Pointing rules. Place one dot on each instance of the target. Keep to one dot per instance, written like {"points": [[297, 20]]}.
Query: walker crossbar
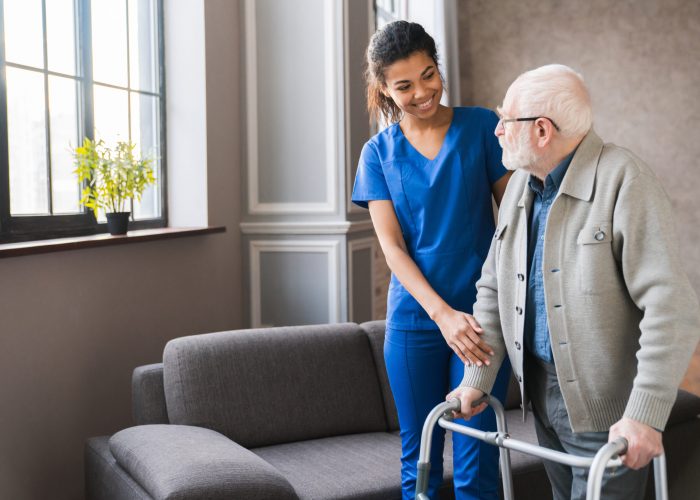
{"points": [[606, 458]]}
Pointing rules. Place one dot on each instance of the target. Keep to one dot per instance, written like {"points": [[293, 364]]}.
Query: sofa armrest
{"points": [[686, 407], [184, 462], [148, 395]]}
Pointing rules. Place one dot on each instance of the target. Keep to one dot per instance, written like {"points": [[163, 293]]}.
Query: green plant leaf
{"points": [[111, 176]]}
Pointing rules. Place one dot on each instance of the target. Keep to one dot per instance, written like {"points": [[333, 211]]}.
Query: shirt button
{"points": [[517, 345], [542, 237], [518, 309], [521, 277]]}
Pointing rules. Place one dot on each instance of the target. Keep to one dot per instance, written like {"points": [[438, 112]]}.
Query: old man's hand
{"points": [[467, 396], [644, 442]]}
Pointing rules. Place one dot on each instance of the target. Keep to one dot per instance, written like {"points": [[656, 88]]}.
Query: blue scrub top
{"points": [[443, 206]]}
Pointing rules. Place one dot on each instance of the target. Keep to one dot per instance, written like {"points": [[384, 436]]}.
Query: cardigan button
{"points": [[521, 277], [599, 236], [518, 309], [517, 345]]}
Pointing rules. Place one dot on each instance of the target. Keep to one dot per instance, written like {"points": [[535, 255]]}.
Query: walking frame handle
{"points": [[606, 458]]}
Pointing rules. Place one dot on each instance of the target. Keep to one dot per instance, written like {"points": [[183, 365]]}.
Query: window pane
{"points": [[63, 116], [26, 131], [111, 114], [145, 134], [109, 41], [24, 40], [143, 47], [111, 119], [60, 35]]}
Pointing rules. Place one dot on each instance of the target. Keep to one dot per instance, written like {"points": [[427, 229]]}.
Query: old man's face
{"points": [[514, 138]]}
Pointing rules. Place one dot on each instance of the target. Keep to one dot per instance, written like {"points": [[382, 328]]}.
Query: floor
{"points": [[691, 382]]}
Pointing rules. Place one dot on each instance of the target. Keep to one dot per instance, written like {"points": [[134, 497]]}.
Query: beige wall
{"points": [[640, 60], [75, 324]]}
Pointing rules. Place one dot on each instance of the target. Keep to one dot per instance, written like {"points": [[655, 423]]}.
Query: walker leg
{"points": [[660, 478], [426, 442], [504, 453]]}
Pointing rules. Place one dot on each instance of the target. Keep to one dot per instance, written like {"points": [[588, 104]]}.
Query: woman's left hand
{"points": [[463, 334]]}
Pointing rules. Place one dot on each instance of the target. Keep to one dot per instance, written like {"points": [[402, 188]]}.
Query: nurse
{"points": [[427, 180]]}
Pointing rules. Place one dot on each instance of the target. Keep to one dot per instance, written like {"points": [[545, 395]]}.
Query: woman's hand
{"points": [[462, 333]]}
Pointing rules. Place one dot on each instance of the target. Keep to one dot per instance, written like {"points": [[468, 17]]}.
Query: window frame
{"points": [[17, 228]]}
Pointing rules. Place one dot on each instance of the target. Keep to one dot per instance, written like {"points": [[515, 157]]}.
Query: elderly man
{"points": [[583, 287]]}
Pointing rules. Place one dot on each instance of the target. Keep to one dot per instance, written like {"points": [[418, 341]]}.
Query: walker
{"points": [[606, 458]]}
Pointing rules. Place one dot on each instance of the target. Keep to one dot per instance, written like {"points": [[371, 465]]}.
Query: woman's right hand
{"points": [[463, 334]]}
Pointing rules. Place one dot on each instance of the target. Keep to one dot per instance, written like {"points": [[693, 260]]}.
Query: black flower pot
{"points": [[118, 222]]}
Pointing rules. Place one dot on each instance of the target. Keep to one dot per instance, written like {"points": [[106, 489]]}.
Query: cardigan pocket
{"points": [[498, 236], [596, 267]]}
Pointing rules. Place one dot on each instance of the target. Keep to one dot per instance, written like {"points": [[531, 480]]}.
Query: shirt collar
{"points": [[554, 178]]}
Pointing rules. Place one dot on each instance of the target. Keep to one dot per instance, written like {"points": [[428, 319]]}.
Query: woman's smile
{"points": [[424, 106]]}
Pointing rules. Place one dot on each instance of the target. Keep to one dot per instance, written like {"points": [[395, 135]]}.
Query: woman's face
{"points": [[414, 84]]}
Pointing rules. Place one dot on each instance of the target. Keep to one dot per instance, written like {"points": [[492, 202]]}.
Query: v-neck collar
{"points": [[442, 146]]}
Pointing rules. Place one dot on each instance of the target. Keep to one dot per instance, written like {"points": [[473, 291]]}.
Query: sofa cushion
{"points": [[181, 462], [368, 466], [320, 380], [361, 466]]}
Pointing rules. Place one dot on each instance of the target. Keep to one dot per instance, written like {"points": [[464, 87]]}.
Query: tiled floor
{"points": [[691, 382]]}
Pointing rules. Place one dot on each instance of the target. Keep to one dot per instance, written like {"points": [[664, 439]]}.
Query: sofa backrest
{"points": [[275, 385], [375, 331]]}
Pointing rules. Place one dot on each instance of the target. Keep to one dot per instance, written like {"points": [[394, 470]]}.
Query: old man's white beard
{"points": [[522, 155]]}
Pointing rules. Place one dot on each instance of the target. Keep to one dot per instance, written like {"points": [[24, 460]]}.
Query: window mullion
{"points": [[84, 58], [128, 88], [47, 117], [86, 68], [160, 33]]}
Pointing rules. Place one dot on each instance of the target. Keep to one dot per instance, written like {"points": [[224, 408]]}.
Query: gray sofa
{"points": [[295, 412]]}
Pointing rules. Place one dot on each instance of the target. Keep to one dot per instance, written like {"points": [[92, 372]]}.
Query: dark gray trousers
{"points": [[554, 432]]}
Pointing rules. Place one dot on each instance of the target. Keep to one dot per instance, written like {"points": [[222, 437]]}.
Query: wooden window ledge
{"points": [[101, 240]]}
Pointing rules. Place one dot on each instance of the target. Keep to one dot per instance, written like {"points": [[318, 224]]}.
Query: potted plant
{"points": [[110, 178]]}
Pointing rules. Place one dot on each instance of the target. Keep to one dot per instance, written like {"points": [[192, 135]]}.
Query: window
{"points": [[388, 11], [74, 69]]}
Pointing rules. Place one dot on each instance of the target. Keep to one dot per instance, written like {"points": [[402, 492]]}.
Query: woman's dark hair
{"points": [[395, 41]]}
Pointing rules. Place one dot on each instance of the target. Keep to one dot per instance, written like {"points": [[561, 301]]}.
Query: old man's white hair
{"points": [[556, 92]]}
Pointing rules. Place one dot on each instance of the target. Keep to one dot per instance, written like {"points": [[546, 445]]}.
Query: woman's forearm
{"points": [[413, 280]]}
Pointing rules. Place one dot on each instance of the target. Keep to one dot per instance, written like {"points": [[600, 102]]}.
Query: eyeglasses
{"points": [[528, 119]]}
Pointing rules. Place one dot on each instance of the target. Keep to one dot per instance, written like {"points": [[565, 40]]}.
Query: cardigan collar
{"points": [[579, 180]]}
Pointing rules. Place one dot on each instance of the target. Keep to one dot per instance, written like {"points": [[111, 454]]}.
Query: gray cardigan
{"points": [[622, 316]]}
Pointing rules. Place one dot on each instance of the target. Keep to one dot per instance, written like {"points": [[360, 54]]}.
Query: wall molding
{"points": [[308, 228], [329, 247], [353, 246], [351, 208], [330, 205]]}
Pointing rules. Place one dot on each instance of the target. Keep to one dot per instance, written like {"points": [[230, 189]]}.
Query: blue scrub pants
{"points": [[422, 369]]}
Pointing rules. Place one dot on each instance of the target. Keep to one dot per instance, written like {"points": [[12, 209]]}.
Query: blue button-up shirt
{"points": [[537, 339]]}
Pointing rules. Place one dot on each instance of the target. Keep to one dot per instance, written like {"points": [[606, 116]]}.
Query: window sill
{"points": [[101, 240]]}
